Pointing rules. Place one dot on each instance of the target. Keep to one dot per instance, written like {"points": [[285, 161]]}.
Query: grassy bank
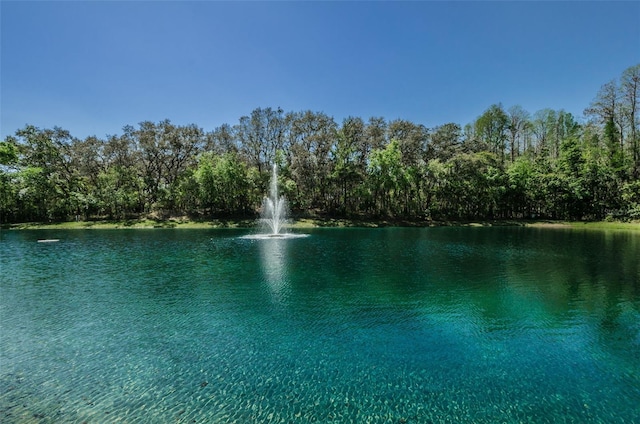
{"points": [[133, 224], [312, 223], [597, 225]]}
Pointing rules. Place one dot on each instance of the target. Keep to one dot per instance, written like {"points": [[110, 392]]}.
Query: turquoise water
{"points": [[475, 325]]}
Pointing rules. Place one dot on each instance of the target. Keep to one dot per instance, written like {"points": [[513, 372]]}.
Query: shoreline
{"points": [[304, 223]]}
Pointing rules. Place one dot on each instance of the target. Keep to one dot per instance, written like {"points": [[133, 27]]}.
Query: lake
{"points": [[395, 325]]}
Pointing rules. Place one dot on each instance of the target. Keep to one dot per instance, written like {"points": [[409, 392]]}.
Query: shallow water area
{"points": [[471, 325]]}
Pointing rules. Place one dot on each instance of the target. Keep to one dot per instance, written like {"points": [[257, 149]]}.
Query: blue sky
{"points": [[94, 66]]}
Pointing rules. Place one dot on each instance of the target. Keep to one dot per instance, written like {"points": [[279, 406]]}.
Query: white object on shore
{"points": [[48, 240]]}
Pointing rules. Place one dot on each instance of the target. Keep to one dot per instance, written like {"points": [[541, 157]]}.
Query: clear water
{"points": [[346, 325]]}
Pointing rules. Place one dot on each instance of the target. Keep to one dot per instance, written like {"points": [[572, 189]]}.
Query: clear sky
{"points": [[94, 66]]}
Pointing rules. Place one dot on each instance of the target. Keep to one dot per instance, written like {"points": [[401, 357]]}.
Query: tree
{"points": [[387, 176], [445, 142], [629, 94], [550, 128], [120, 185], [224, 186], [437, 202], [469, 185], [166, 151], [491, 128], [88, 159], [411, 140], [557, 168], [600, 182], [8, 153], [55, 189], [540, 126], [119, 192], [374, 136], [518, 122], [348, 171], [312, 139], [605, 110], [570, 172], [261, 135], [221, 140], [8, 182], [630, 194], [521, 187], [611, 136]]}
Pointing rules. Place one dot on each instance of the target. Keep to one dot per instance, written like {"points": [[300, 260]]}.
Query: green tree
{"points": [[312, 139], [517, 126], [477, 185], [119, 192], [261, 135], [605, 109], [630, 94], [387, 177], [556, 168], [600, 182], [120, 185], [611, 136], [225, 188], [222, 140], [166, 151], [348, 172], [445, 142], [53, 187], [8, 181], [571, 173], [9, 153], [412, 142], [491, 129], [521, 187], [630, 195], [437, 202]]}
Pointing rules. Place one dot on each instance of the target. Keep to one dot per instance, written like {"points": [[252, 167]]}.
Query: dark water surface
{"points": [[475, 325]]}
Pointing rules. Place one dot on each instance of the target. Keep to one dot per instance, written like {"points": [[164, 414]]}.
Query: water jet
{"points": [[274, 208], [274, 213]]}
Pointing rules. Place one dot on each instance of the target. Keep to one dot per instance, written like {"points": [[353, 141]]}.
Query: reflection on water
{"points": [[471, 325], [273, 262]]}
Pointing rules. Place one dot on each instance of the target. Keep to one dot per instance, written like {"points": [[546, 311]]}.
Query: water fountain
{"points": [[274, 208], [273, 217]]}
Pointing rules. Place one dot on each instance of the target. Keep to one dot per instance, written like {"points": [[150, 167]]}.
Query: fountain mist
{"points": [[274, 208]]}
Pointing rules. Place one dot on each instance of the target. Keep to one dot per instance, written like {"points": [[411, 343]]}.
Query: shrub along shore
{"points": [[305, 223]]}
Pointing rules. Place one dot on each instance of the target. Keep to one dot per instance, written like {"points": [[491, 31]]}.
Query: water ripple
{"points": [[358, 326]]}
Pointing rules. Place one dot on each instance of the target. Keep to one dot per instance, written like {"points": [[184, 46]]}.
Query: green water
{"points": [[475, 325]]}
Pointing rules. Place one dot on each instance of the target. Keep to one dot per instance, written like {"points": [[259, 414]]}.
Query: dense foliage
{"points": [[506, 164]]}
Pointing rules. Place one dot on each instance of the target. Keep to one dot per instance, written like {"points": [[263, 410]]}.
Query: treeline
{"points": [[506, 164]]}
